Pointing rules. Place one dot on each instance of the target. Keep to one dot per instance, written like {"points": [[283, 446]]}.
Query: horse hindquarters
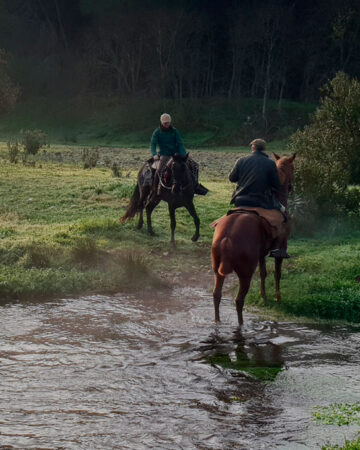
{"points": [[236, 247]]}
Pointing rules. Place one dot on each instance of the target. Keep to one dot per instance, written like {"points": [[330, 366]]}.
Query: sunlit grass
{"points": [[59, 220]]}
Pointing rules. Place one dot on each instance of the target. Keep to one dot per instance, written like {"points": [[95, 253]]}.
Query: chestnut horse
{"points": [[242, 241]]}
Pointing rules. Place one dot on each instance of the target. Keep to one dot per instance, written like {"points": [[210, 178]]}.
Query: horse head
{"points": [[285, 167], [180, 175]]}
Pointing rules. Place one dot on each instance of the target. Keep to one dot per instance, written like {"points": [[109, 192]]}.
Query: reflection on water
{"points": [[153, 371]]}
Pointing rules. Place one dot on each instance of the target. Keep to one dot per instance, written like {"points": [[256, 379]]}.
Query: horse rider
{"points": [[257, 181], [165, 143]]}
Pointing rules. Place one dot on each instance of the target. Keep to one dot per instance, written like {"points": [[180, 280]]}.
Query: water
{"points": [[134, 372]]}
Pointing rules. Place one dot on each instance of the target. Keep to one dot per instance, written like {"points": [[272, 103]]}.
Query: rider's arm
{"points": [[234, 174], [154, 142], [179, 145], [274, 179]]}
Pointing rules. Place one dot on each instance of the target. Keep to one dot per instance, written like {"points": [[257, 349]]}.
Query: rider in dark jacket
{"points": [[257, 181]]}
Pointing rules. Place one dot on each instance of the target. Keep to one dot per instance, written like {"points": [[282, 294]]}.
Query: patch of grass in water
{"points": [[349, 445], [243, 364], [338, 414]]}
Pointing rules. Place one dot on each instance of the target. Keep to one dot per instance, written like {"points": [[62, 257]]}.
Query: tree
{"points": [[9, 91], [329, 148]]}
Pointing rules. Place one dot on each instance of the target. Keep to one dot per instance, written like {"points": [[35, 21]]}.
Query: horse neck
{"points": [[284, 194], [180, 174], [284, 191]]}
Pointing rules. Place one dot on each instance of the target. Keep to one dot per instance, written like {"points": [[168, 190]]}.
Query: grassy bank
{"points": [[130, 122], [60, 235]]}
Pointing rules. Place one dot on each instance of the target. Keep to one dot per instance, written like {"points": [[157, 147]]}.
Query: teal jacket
{"points": [[168, 141]]}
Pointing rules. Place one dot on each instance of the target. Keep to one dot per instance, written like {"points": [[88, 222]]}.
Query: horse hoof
{"points": [[152, 233], [195, 237]]}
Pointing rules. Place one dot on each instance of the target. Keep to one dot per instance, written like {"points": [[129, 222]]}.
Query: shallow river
{"points": [[130, 372]]}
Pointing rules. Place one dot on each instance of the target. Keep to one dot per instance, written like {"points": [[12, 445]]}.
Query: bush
{"points": [[13, 150], [329, 148], [32, 141], [90, 157], [115, 170]]}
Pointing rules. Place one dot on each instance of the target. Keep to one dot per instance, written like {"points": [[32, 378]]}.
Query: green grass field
{"points": [[60, 235]]}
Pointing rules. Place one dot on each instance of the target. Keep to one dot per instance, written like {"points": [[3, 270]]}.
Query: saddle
{"points": [[273, 219], [163, 170]]}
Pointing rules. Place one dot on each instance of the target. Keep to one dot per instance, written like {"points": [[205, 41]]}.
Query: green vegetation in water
{"points": [[338, 414], [243, 364], [348, 445]]}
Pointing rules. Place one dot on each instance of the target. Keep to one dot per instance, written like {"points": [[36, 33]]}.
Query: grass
{"points": [[339, 414], [348, 445], [254, 369], [60, 234]]}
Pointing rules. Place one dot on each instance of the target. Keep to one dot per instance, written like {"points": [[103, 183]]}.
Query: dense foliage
{"points": [[329, 148]]}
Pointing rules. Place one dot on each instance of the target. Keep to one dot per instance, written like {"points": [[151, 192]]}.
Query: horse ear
{"points": [[292, 157], [276, 156]]}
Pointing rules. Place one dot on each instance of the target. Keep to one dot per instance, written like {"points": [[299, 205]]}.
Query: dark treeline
{"points": [[180, 48]]}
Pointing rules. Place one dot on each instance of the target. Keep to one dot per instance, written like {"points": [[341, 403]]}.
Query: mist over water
{"points": [[146, 371]]}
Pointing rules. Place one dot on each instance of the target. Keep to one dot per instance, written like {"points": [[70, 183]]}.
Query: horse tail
{"points": [[133, 207], [225, 250]]}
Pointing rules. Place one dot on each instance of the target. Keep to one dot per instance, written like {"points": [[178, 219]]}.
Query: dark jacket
{"points": [[168, 141], [257, 180]]}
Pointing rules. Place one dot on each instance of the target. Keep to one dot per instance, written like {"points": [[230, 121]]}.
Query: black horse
{"points": [[175, 185]]}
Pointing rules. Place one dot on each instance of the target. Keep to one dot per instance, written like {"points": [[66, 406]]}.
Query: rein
{"points": [[161, 182], [182, 187]]}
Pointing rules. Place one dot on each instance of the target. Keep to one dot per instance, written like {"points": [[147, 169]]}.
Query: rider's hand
{"points": [[156, 157]]}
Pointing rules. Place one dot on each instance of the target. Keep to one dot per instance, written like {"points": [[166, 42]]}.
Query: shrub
{"points": [[90, 157], [32, 141], [115, 170], [13, 150], [329, 148]]}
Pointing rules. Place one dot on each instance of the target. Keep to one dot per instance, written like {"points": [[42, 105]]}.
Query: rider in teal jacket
{"points": [[165, 140]]}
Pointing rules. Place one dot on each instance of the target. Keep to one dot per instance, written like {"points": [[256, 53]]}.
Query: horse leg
{"points": [[191, 208], [219, 281], [144, 193], [172, 222], [278, 263], [152, 203], [240, 298], [263, 274], [141, 220]]}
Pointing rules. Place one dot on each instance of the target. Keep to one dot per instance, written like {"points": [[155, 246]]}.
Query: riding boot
{"points": [[279, 253], [200, 189]]}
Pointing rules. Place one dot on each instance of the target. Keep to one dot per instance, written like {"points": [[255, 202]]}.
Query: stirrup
{"points": [[279, 253]]}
